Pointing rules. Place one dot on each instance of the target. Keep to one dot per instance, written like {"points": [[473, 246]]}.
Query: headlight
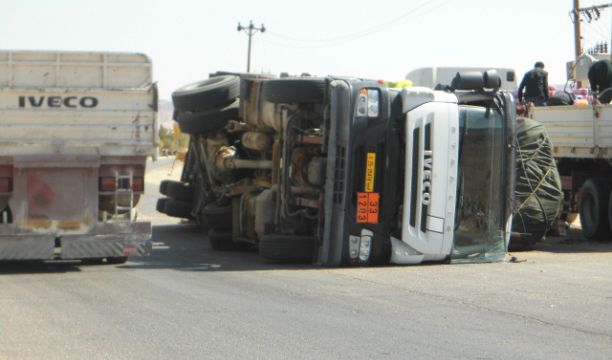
{"points": [[368, 103], [373, 103], [360, 246], [365, 245]]}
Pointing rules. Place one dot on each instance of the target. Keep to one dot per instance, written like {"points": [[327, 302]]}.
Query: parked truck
{"points": [[346, 171], [76, 129], [581, 135], [582, 145]]}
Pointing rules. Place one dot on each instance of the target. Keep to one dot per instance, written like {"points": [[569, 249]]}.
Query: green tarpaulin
{"points": [[538, 185]]}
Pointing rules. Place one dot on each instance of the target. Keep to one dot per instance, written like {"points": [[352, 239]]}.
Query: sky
{"points": [[384, 39]]}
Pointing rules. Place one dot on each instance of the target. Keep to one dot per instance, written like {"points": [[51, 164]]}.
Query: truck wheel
{"points": [[293, 90], [180, 191], [163, 186], [287, 248], [161, 205], [207, 121], [222, 241], [207, 94], [177, 208], [217, 217], [594, 209]]}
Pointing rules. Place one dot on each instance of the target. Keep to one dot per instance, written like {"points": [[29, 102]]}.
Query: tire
{"points": [[177, 208], [161, 205], [287, 248], [180, 191], [222, 241], [207, 121], [293, 90], [208, 94], [163, 186], [217, 217], [594, 209]]}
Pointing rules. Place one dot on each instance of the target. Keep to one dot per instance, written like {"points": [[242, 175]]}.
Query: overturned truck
{"points": [[346, 171]]}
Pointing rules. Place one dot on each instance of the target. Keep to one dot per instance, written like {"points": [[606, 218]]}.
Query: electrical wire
{"points": [[342, 37], [597, 31], [424, 7]]}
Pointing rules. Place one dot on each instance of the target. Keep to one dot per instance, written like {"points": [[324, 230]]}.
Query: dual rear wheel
{"points": [[596, 209]]}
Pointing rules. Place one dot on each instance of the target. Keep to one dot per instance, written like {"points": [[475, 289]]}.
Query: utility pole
{"points": [[250, 31], [577, 35], [588, 14]]}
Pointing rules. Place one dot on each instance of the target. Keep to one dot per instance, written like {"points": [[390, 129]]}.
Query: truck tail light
{"points": [[138, 184], [6, 184], [108, 183]]}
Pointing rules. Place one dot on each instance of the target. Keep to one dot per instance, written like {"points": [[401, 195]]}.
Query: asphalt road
{"points": [[187, 301]]}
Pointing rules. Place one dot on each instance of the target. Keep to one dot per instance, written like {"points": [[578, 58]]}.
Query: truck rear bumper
{"points": [[105, 240]]}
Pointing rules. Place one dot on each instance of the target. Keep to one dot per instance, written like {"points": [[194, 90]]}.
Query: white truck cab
{"points": [[456, 181]]}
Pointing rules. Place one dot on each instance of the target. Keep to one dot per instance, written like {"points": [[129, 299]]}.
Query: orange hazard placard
{"points": [[367, 208]]}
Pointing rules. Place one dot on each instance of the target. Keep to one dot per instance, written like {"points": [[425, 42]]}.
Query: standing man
{"points": [[535, 83]]}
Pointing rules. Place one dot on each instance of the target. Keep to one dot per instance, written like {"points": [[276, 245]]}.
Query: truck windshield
{"points": [[479, 224]]}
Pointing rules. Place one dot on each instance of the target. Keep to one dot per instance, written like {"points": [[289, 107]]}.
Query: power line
{"points": [[365, 32]]}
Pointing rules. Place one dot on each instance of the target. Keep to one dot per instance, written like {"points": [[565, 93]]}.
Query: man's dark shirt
{"points": [[600, 75], [535, 83]]}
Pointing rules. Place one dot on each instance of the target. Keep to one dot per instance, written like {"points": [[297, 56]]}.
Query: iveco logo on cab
{"points": [[427, 165], [58, 101]]}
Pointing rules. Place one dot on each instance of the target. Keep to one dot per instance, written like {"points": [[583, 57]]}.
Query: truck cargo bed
{"points": [[577, 131], [74, 102]]}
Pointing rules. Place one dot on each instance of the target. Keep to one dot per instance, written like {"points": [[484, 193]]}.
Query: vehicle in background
{"points": [[345, 171], [581, 136], [582, 145], [75, 131], [431, 77]]}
